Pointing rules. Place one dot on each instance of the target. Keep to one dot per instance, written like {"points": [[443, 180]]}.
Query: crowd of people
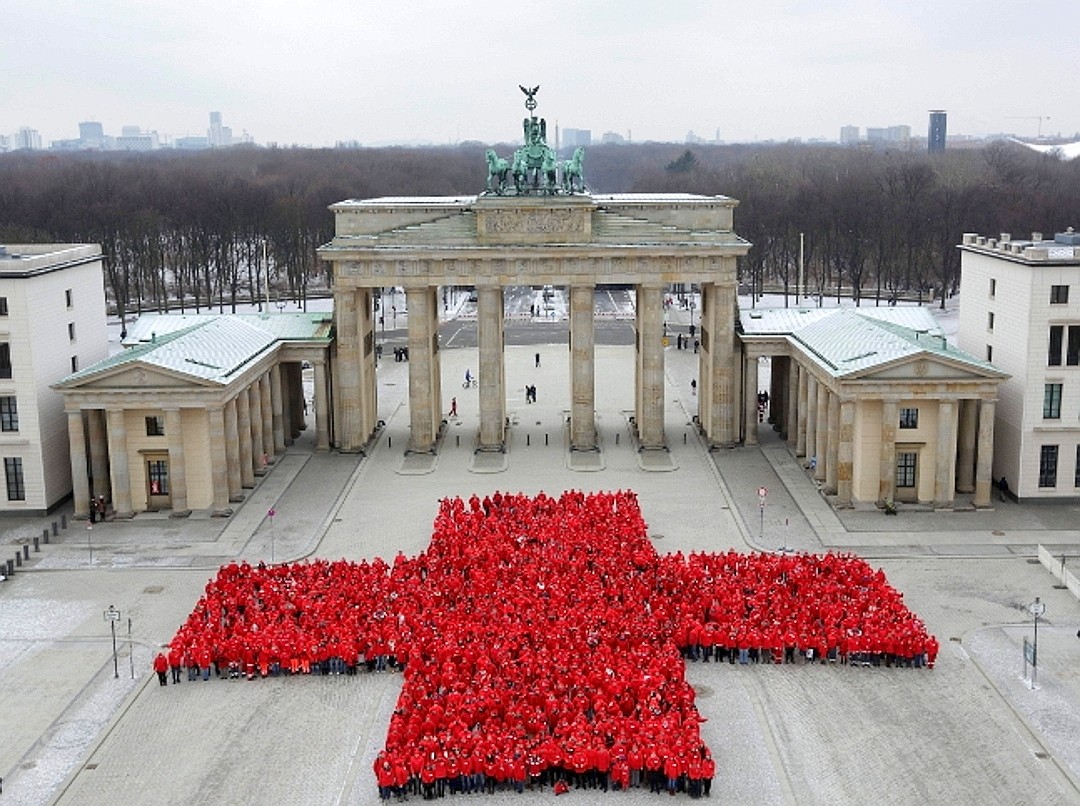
{"points": [[543, 640]]}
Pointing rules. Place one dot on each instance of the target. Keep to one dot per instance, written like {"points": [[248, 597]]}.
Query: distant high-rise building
{"points": [[218, 135], [132, 138], [26, 138], [935, 141], [849, 135], [91, 135], [572, 138]]}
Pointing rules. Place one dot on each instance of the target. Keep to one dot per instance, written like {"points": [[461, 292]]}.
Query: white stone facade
{"points": [[52, 319], [1016, 296]]}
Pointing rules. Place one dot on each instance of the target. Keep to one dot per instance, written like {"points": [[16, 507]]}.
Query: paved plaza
{"points": [[78, 730]]}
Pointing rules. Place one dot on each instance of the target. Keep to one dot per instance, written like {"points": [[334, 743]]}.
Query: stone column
{"points": [[821, 432], [425, 398], [717, 404], [267, 417], [582, 369], [118, 464], [232, 452], [832, 451], [99, 452], [650, 378], [750, 390], [219, 473], [945, 473], [255, 417], [845, 457], [811, 417], [965, 462], [802, 407], [890, 413], [277, 406], [368, 378], [492, 369], [243, 427], [322, 411], [347, 405], [174, 433], [80, 481], [984, 470], [791, 403]]}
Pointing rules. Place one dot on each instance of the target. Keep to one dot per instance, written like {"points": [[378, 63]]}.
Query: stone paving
{"points": [[970, 730]]}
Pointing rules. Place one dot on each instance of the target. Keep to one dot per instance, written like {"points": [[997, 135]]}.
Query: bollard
{"points": [[26, 551], [63, 521], [616, 437], [684, 438], [45, 535], [528, 437], [457, 440], [389, 441], [37, 548], [10, 567], [55, 528], [545, 439], [18, 559]]}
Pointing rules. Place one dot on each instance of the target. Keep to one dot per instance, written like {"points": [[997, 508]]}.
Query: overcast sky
{"points": [[313, 72]]}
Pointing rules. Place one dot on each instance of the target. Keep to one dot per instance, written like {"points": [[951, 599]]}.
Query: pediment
{"points": [[928, 367], [140, 377]]}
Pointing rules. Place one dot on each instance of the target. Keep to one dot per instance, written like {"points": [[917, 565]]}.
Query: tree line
{"points": [[209, 229]]}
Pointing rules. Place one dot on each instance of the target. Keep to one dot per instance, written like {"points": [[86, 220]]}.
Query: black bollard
{"points": [[10, 567], [684, 438], [63, 521], [528, 437], [26, 551], [18, 559], [37, 548], [457, 440], [45, 535], [545, 439], [616, 437], [389, 441]]}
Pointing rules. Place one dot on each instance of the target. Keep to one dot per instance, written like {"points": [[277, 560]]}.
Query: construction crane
{"points": [[1039, 118]]}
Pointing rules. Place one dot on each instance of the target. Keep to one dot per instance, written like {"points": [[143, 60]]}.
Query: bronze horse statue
{"points": [[498, 168], [572, 169]]}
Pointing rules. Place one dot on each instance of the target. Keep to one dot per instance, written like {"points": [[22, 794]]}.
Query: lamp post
{"points": [[1036, 609], [270, 514]]}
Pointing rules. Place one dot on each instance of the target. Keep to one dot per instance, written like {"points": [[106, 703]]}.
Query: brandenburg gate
{"points": [[537, 224]]}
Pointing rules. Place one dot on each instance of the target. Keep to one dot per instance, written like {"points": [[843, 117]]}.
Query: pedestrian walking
{"points": [[1003, 488], [453, 407], [693, 386], [161, 666]]}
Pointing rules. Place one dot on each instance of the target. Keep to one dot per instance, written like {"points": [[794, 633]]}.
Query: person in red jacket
{"points": [[175, 657], [161, 666]]}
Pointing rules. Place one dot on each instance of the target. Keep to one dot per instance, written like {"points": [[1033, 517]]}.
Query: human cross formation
{"points": [[543, 639]]}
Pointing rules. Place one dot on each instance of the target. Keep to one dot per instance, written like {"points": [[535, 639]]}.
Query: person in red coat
{"points": [[161, 666]]}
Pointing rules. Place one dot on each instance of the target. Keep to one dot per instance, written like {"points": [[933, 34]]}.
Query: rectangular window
{"points": [[1059, 294], [155, 426], [9, 414], [1052, 401], [905, 469], [990, 321], [993, 287], [909, 418], [1048, 456], [13, 475], [68, 298], [5, 360], [1057, 334], [74, 363], [157, 472], [71, 330], [3, 306], [1072, 352], [989, 353]]}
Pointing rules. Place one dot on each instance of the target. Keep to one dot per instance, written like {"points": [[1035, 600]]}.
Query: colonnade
{"points": [[356, 390], [818, 419], [241, 436]]}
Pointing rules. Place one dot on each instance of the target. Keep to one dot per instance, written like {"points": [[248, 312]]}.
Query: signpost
{"points": [[1036, 609], [762, 492], [270, 513], [112, 615]]}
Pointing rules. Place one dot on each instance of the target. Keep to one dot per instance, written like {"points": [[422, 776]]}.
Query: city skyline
{"points": [[413, 72]]}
